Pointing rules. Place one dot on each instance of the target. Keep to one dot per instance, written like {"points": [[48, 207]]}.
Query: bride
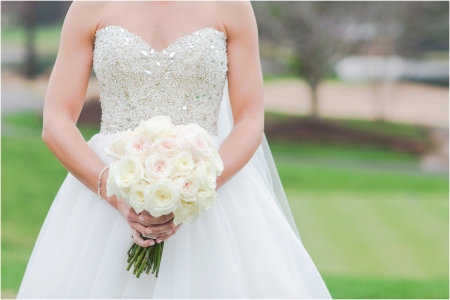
{"points": [[195, 62]]}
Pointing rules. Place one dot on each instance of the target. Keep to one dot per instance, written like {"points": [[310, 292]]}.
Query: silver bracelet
{"points": [[99, 184]]}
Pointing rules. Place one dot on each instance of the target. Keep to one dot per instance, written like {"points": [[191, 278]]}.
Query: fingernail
{"points": [[169, 232], [149, 230], [141, 218], [152, 242], [159, 241]]}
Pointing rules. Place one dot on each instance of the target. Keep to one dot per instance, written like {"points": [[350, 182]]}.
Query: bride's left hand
{"points": [[159, 232]]}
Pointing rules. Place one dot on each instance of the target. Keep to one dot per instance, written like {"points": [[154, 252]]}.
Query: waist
{"points": [[119, 115]]}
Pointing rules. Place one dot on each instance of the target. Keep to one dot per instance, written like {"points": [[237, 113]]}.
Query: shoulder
{"points": [[235, 7], [237, 17], [85, 16]]}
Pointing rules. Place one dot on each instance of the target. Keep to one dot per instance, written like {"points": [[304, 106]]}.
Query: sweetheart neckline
{"points": [[170, 45]]}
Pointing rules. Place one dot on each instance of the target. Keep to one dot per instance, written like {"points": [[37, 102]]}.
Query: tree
{"points": [[321, 33], [315, 31], [29, 15]]}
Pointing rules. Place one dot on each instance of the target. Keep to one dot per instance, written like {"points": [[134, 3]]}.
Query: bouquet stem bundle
{"points": [[145, 259]]}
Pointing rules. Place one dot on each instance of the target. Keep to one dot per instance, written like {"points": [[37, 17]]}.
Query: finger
{"points": [[139, 227], [155, 236], [169, 216], [140, 241], [169, 226], [163, 238], [132, 216], [148, 220], [162, 219]]}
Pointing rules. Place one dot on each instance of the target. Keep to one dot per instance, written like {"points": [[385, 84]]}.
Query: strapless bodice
{"points": [[184, 81]]}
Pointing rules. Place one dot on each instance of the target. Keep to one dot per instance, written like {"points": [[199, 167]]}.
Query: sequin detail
{"points": [[184, 81]]}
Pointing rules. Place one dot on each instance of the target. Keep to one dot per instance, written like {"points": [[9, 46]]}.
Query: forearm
{"points": [[66, 142], [239, 147]]}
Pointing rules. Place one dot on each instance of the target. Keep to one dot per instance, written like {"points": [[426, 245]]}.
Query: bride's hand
{"points": [[161, 231], [161, 227]]}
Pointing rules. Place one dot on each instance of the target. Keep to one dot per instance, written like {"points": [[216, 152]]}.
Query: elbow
{"points": [[46, 135], [254, 127], [48, 132], [259, 128], [259, 131], [256, 132]]}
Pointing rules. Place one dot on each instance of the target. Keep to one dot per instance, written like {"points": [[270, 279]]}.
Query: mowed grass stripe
{"points": [[314, 230], [320, 178], [318, 217], [389, 247], [364, 234], [31, 164], [360, 230], [421, 233]]}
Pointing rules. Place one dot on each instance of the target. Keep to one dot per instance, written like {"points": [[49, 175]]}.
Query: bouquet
{"points": [[163, 169]]}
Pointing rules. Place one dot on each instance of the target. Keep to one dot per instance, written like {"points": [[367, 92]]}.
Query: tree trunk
{"points": [[29, 10], [314, 102], [377, 100]]}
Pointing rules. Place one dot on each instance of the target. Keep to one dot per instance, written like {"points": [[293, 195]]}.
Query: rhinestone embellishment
{"points": [[137, 83]]}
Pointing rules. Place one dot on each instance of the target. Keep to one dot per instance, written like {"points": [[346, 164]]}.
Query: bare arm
{"points": [[245, 89], [63, 102], [65, 97]]}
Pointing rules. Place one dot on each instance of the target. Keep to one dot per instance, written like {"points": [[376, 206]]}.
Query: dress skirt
{"points": [[241, 248]]}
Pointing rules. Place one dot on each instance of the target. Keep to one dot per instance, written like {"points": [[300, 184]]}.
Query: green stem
{"points": [[141, 268], [159, 257], [145, 259], [135, 247], [134, 258], [149, 261], [139, 261], [154, 255], [132, 251]]}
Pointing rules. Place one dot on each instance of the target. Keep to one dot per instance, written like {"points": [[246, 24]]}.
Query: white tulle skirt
{"points": [[246, 246]]}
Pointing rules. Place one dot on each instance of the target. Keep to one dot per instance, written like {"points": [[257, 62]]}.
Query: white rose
{"points": [[182, 131], [127, 172], [117, 144], [217, 162], [156, 127], [206, 197], [138, 145], [119, 140], [205, 171], [111, 153], [205, 134], [168, 146], [162, 197], [188, 185], [182, 163], [111, 187], [157, 166], [137, 199], [187, 213], [197, 146]]}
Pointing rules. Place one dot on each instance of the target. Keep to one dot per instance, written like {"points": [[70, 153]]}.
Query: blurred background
{"points": [[357, 104]]}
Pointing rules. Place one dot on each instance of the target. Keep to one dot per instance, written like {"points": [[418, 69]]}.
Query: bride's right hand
{"points": [[144, 223]]}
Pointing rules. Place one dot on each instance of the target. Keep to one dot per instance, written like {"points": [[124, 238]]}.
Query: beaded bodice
{"points": [[184, 81]]}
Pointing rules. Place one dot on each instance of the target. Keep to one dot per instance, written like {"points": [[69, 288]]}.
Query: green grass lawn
{"points": [[373, 232]]}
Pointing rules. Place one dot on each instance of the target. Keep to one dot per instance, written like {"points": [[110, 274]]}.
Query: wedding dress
{"points": [[247, 246]]}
